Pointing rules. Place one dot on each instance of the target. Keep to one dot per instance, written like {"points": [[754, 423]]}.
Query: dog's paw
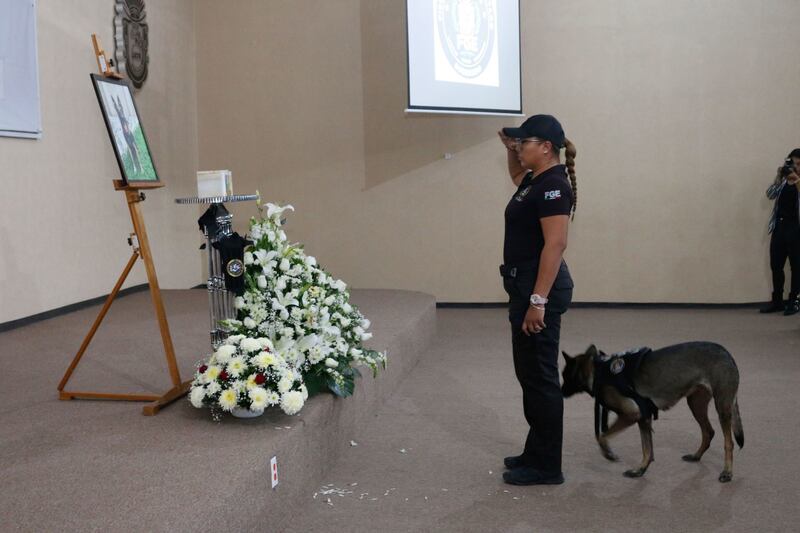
{"points": [[690, 458], [725, 477], [611, 456], [638, 472]]}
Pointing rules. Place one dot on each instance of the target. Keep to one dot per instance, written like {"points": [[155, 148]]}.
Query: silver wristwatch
{"points": [[537, 300]]}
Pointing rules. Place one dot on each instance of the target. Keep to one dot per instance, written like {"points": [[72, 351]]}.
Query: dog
{"points": [[658, 379]]}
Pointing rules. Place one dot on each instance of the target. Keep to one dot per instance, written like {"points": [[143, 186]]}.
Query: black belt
{"points": [[512, 271]]}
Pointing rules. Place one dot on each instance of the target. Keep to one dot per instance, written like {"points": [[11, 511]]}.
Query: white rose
{"points": [[282, 235], [281, 284], [238, 302], [196, 396], [331, 363], [292, 402], [347, 308], [311, 261], [262, 282], [248, 258], [366, 336], [249, 323], [284, 266], [365, 323], [271, 236], [340, 286], [329, 300]]}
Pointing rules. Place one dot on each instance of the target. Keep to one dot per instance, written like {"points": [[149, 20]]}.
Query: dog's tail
{"points": [[738, 431]]}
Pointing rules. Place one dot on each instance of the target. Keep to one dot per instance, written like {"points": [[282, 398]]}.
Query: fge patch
{"points": [[552, 195]]}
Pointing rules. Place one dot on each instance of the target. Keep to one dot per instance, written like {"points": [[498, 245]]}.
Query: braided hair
{"points": [[569, 155]]}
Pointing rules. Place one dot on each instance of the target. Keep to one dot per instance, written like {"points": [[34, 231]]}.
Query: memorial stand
{"points": [[141, 249]]}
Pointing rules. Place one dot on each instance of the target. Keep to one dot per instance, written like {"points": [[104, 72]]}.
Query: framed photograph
{"points": [[125, 129]]}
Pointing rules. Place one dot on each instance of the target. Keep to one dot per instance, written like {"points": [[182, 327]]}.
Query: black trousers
{"points": [[536, 367], [785, 244]]}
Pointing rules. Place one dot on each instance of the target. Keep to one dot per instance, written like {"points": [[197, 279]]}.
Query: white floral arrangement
{"points": [[296, 331]]}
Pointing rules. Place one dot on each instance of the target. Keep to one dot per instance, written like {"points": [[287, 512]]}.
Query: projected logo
{"points": [[465, 41]]}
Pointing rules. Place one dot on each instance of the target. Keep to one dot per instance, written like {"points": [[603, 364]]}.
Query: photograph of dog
{"points": [[636, 384]]}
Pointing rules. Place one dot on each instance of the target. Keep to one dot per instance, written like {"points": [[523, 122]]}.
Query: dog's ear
{"points": [[591, 351], [566, 356]]}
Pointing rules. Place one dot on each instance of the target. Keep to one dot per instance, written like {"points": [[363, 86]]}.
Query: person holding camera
{"points": [[784, 225], [539, 286]]}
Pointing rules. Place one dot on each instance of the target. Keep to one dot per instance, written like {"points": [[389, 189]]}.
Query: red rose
{"points": [[260, 379], [202, 369], [223, 375]]}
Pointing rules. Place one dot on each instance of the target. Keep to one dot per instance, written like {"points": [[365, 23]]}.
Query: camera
{"points": [[787, 168]]}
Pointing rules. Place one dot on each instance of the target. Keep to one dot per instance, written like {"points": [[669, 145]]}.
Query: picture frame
{"points": [[125, 131]]}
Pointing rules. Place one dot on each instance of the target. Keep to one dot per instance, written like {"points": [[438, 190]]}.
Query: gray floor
{"points": [[459, 412], [427, 459]]}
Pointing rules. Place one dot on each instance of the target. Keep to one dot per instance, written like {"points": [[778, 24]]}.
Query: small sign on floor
{"points": [[273, 468]]}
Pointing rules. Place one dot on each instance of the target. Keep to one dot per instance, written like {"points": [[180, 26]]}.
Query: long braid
{"points": [[569, 154]]}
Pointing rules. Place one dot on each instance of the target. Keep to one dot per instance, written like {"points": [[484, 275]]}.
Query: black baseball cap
{"points": [[545, 127]]}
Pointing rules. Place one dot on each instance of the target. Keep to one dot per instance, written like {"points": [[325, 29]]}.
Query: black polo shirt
{"points": [[546, 195]]}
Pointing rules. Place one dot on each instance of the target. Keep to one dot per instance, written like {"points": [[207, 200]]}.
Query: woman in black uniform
{"points": [[784, 225], [539, 286]]}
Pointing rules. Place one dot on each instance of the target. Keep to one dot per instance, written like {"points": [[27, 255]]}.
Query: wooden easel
{"points": [[141, 248]]}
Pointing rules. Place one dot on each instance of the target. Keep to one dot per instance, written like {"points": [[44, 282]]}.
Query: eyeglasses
{"points": [[521, 142]]}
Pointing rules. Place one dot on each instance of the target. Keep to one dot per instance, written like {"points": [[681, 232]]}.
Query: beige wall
{"points": [[680, 110], [63, 228]]}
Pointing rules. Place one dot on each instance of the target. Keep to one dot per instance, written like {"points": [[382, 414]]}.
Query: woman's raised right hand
{"points": [[508, 142]]}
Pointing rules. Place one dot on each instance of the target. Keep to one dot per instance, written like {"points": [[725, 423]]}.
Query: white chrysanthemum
{"points": [[236, 366], [224, 353], [228, 399], [211, 373], [234, 339], [238, 302], [239, 386], [297, 313], [292, 402], [315, 355], [250, 345], [262, 282], [213, 388], [285, 385], [258, 398], [264, 360], [249, 323], [197, 396], [273, 398], [288, 333], [331, 363]]}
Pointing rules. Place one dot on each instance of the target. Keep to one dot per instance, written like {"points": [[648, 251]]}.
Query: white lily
{"points": [[275, 211]]}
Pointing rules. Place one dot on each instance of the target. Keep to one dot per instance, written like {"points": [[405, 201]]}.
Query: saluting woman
{"points": [[539, 286]]}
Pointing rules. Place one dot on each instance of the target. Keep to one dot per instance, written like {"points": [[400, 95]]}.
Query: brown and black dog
{"points": [[698, 371]]}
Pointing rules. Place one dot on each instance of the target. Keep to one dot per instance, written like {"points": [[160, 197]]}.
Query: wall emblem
{"points": [[130, 36]]}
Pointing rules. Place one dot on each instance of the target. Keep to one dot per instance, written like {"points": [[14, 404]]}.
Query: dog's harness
{"points": [[617, 370]]}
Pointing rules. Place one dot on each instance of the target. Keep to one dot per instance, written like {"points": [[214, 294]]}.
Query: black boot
{"points": [[775, 305], [793, 306], [515, 461]]}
